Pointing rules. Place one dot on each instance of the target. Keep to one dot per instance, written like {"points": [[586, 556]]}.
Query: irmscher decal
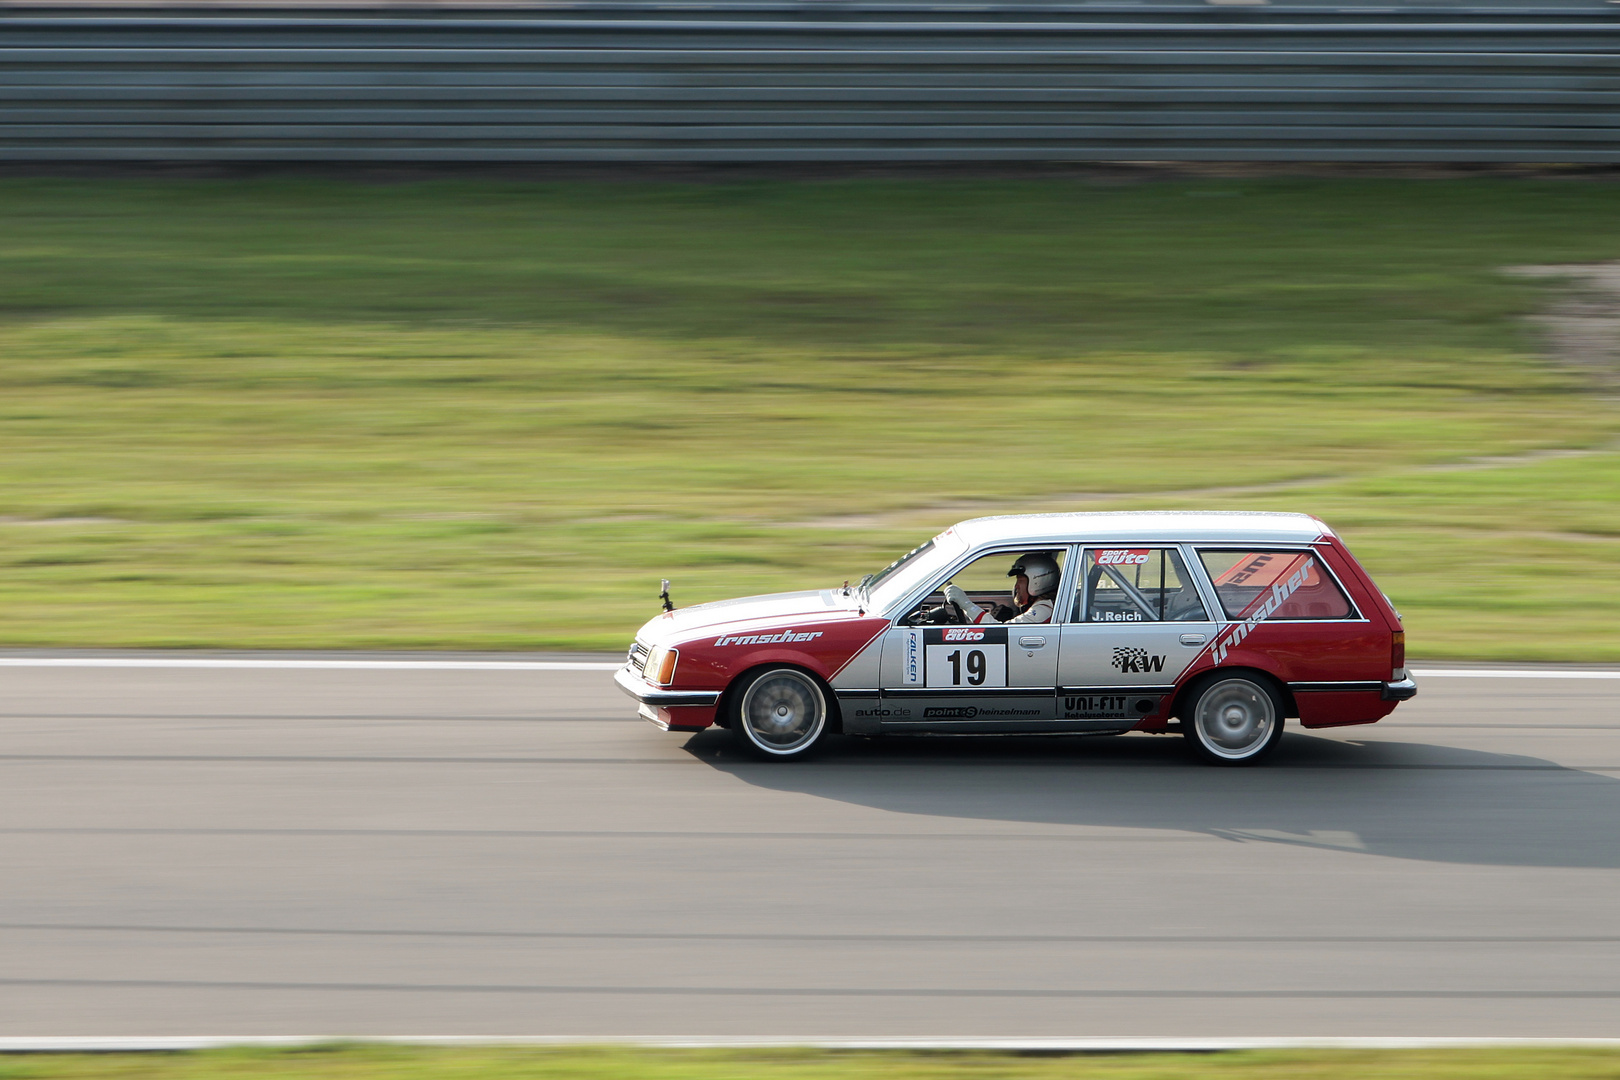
{"points": [[1280, 592], [1128, 659], [767, 639], [1123, 557]]}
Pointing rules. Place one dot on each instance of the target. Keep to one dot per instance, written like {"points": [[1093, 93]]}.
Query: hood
{"points": [[727, 614]]}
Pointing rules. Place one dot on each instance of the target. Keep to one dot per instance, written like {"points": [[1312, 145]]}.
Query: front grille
{"points": [[638, 656]]}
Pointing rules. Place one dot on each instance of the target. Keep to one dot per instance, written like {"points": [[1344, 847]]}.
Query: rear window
{"points": [[1291, 584]]}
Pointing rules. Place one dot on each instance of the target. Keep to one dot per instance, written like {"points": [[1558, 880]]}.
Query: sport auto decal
{"points": [[1233, 635], [1128, 659], [767, 639], [1123, 557], [978, 635]]}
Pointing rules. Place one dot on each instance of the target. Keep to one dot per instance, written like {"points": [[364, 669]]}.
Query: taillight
{"points": [[1397, 655]]}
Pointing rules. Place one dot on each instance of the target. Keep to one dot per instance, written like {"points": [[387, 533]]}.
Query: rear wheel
{"points": [[781, 713], [1234, 720]]}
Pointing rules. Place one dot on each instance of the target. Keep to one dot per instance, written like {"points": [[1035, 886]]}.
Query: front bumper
{"points": [[1404, 690], [648, 694]]}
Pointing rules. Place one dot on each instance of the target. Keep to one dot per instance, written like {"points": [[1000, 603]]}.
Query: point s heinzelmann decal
{"points": [[1233, 635]]}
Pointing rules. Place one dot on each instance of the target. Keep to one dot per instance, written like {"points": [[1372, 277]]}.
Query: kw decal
{"points": [[1135, 660]]}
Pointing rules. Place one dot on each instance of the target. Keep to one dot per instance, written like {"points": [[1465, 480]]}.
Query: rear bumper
{"points": [[1404, 690], [648, 694]]}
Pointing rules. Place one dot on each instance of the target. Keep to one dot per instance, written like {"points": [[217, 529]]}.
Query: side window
{"points": [[986, 582], [1274, 585], [1136, 585]]}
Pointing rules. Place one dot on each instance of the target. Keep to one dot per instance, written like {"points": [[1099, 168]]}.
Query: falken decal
{"points": [[912, 659], [1233, 635]]}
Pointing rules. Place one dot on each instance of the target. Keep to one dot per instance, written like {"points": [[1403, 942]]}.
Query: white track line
{"points": [[298, 664], [1094, 1044], [302, 665], [1512, 673]]}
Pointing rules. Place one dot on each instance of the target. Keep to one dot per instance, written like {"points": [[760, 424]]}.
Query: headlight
{"points": [[660, 666]]}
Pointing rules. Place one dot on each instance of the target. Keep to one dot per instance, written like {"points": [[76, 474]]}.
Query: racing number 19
{"points": [[975, 667]]}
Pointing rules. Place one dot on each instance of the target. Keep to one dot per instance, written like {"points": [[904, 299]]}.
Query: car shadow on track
{"points": [[1405, 800]]}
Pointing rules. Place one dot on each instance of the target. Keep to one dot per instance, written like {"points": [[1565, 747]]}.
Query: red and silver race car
{"points": [[1225, 622]]}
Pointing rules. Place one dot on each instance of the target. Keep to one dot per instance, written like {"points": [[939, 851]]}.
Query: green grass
{"points": [[605, 1063], [493, 415]]}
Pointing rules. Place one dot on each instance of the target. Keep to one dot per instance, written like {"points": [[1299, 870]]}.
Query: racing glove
{"points": [[957, 596]]}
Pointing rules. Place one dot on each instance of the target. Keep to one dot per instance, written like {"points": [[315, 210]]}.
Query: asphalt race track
{"points": [[395, 852]]}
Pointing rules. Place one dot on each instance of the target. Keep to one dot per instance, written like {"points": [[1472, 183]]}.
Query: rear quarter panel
{"points": [[1324, 652]]}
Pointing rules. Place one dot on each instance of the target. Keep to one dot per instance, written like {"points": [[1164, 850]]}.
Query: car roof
{"points": [[1154, 526]]}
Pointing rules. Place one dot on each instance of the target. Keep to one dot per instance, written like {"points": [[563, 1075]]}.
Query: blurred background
{"points": [[461, 325]]}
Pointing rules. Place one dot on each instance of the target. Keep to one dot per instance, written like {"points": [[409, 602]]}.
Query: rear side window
{"points": [[1292, 584], [1136, 585]]}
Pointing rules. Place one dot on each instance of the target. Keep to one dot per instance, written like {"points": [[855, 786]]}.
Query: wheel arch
{"points": [[1189, 689], [722, 707]]}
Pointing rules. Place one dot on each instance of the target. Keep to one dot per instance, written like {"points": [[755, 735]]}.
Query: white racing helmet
{"points": [[1042, 571]]}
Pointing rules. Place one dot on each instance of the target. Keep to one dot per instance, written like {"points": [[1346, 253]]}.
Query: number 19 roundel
{"points": [[965, 657]]}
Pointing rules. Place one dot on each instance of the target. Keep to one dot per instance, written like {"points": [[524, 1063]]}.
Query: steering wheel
{"points": [[946, 614]]}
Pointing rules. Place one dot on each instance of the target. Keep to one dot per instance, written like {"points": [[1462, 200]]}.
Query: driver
{"points": [[1033, 592]]}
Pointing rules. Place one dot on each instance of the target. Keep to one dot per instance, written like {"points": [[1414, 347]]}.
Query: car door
{"points": [[1135, 620], [970, 678]]}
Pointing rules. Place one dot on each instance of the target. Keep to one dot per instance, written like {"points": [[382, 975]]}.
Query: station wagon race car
{"points": [[1216, 624]]}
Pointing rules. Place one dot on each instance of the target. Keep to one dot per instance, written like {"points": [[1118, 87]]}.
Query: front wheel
{"points": [[1234, 720], [781, 713]]}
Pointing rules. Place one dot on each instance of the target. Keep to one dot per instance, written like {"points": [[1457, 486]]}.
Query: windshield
{"points": [[891, 584]]}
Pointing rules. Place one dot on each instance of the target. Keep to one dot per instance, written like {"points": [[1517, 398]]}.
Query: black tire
{"points": [[1233, 719], [780, 714]]}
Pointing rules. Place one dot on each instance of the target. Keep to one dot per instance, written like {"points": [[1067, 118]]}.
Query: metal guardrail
{"points": [[813, 80]]}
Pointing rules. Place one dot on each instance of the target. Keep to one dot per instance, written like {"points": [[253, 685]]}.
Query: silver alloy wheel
{"points": [[1235, 719], [783, 712]]}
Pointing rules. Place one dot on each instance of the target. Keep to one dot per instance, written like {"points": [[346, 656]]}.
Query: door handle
{"points": [[1193, 639], [1032, 642]]}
